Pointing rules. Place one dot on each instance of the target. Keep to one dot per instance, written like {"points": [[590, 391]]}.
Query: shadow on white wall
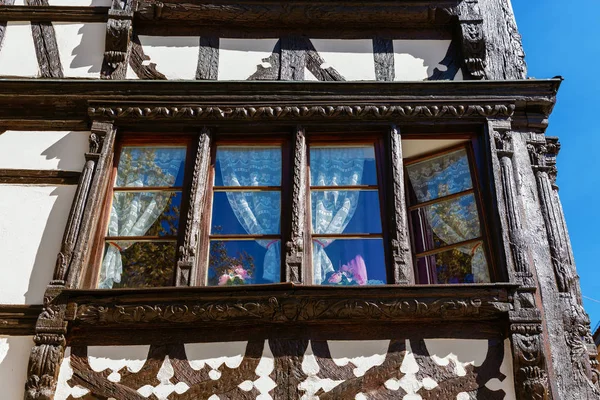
{"points": [[14, 356]]}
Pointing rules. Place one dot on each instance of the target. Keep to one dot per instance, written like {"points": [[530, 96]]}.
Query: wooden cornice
{"points": [[73, 104], [18, 319]]}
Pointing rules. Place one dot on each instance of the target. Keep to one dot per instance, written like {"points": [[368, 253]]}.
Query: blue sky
{"points": [[562, 39]]}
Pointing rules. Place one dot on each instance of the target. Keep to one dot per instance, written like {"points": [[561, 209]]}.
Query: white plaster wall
{"points": [[56, 150], [98, 3], [175, 56], [17, 54], [81, 48], [238, 58], [14, 357], [353, 59], [32, 222], [415, 60]]}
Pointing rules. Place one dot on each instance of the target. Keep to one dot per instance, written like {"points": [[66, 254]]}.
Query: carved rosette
{"points": [[294, 255]]}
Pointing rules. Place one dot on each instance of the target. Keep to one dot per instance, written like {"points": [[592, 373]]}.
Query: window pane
{"points": [[345, 211], [445, 223], [465, 264], [252, 213], [144, 214], [151, 166], [248, 166], [240, 262], [137, 264], [342, 166], [440, 176], [348, 262]]}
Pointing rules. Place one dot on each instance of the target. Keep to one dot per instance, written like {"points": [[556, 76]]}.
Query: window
{"points": [[247, 212], [448, 239]]}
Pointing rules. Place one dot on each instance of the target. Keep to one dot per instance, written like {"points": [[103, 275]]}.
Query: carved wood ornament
{"points": [[118, 45]]}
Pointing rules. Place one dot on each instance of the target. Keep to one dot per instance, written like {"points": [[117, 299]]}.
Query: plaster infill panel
{"points": [[51, 150], [176, 57], [353, 59], [239, 58], [14, 357], [17, 51], [32, 223], [416, 60], [81, 48]]}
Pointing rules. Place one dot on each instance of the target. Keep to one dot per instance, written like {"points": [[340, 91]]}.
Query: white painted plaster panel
{"points": [[175, 56], [96, 3], [81, 48], [14, 356], [415, 60], [238, 58], [32, 223], [353, 59], [62, 150], [17, 54]]}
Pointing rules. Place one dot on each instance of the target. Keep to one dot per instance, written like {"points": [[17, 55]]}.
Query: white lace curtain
{"points": [[257, 212], [132, 214], [456, 220], [332, 210]]}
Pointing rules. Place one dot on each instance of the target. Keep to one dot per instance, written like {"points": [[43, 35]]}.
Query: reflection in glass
{"points": [[465, 264], [144, 264], [440, 176], [345, 211], [160, 216], [248, 166], [342, 166], [251, 213], [447, 222], [151, 166], [239, 262], [349, 262]]}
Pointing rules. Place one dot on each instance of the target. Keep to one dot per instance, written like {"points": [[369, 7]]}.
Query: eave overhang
{"points": [[155, 105]]}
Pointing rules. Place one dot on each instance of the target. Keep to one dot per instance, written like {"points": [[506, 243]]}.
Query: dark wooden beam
{"points": [[53, 13], [18, 319], [38, 177], [46, 47]]}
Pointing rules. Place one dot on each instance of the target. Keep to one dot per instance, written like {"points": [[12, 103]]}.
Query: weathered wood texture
{"points": [[38, 177], [118, 44], [46, 48], [18, 319], [136, 62], [383, 55], [4, 4], [45, 13], [208, 59]]}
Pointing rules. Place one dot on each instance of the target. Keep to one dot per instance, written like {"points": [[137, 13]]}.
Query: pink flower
{"points": [[223, 280], [240, 272], [335, 278], [358, 269]]}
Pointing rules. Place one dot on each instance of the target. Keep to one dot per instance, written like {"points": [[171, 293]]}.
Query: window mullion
{"points": [[187, 264], [401, 256], [295, 249]]}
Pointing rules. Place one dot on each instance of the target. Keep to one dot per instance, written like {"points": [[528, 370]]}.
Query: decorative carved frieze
{"points": [[301, 111], [186, 272], [294, 253]]}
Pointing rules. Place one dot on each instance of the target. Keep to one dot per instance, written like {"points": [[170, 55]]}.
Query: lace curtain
{"points": [[132, 214], [455, 220], [332, 210], [257, 212]]}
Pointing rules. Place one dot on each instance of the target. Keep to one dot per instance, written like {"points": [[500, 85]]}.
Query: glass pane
{"points": [[144, 214], [440, 176], [345, 211], [242, 262], [342, 166], [151, 166], [445, 223], [248, 166], [465, 264], [137, 264], [246, 213], [348, 262]]}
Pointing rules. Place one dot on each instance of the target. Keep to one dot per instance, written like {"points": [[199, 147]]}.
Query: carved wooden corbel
{"points": [[119, 29], [186, 271], [401, 253], [473, 39], [294, 254]]}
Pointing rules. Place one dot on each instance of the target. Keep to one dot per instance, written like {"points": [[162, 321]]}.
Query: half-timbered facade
{"points": [[210, 199]]}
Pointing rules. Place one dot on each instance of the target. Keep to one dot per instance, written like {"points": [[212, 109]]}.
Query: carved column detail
{"points": [[119, 29], [400, 238], [186, 266], [473, 38], [294, 254], [85, 211], [578, 336]]}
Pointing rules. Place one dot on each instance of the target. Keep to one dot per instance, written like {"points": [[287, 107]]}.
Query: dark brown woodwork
{"points": [[473, 39], [208, 58], [4, 4], [44, 13], [383, 55], [38, 177], [46, 48], [118, 45], [136, 61], [18, 319]]}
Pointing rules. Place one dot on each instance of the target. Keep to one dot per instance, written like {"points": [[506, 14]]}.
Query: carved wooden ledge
{"points": [[54, 13], [18, 319], [283, 304]]}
